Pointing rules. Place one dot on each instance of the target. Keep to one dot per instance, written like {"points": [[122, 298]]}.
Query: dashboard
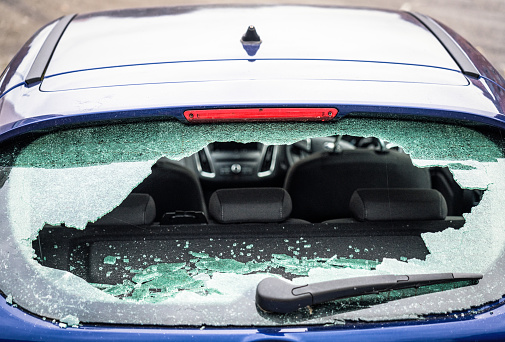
{"points": [[227, 164], [222, 160]]}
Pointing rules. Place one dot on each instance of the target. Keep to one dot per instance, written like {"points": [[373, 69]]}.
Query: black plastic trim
{"points": [[279, 296], [459, 56], [39, 66]]}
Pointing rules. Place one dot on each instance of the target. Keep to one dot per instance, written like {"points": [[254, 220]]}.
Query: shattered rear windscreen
{"points": [[87, 229]]}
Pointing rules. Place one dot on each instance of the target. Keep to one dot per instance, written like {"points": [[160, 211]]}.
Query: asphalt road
{"points": [[482, 22]]}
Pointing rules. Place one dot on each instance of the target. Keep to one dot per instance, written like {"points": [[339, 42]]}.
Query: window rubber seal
{"points": [[460, 57], [39, 66]]}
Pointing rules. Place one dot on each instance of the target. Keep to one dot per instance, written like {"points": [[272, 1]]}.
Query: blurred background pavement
{"points": [[482, 22]]}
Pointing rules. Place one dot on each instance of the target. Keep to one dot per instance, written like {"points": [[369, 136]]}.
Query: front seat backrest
{"points": [[321, 185], [173, 188]]}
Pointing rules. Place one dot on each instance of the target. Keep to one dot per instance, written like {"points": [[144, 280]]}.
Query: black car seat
{"points": [[405, 209], [135, 210], [251, 205], [398, 205], [173, 187], [321, 185]]}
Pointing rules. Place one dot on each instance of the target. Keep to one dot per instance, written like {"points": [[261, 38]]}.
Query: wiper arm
{"points": [[279, 296]]}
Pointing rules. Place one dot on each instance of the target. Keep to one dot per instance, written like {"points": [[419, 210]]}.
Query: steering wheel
{"points": [[304, 148]]}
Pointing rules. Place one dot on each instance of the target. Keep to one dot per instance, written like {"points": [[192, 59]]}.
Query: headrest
{"points": [[397, 205], [247, 205], [321, 185], [136, 209]]}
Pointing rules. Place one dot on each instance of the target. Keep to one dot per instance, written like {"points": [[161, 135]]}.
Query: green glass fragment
{"points": [[254, 266], [168, 281], [199, 255], [222, 265], [164, 267], [459, 166], [212, 291], [352, 263], [110, 260], [119, 290], [140, 278], [140, 293]]}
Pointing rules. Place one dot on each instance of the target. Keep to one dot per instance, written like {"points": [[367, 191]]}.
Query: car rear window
{"points": [[84, 248]]}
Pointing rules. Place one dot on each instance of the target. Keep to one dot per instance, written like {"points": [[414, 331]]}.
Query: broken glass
{"points": [[70, 178]]}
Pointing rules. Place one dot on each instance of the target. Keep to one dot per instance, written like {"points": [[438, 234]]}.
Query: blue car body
{"points": [[156, 63], [403, 69]]}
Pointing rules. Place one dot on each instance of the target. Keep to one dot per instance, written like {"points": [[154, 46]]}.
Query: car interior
{"points": [[352, 197]]}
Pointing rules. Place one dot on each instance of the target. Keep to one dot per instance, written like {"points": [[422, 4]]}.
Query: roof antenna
{"points": [[251, 41]]}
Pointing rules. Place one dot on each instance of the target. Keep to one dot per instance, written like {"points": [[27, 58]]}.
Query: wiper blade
{"points": [[279, 296]]}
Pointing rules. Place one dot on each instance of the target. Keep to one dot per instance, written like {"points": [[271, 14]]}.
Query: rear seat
{"points": [[251, 205], [397, 205], [137, 209], [387, 204]]}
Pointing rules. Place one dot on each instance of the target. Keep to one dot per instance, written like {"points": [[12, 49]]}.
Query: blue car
{"points": [[268, 173]]}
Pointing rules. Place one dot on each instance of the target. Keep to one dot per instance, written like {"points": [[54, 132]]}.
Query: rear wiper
{"points": [[279, 296]]}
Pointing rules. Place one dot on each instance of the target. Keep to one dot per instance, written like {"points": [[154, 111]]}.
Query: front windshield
{"points": [[157, 262]]}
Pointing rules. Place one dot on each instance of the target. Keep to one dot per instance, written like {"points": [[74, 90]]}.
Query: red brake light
{"points": [[260, 114]]}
